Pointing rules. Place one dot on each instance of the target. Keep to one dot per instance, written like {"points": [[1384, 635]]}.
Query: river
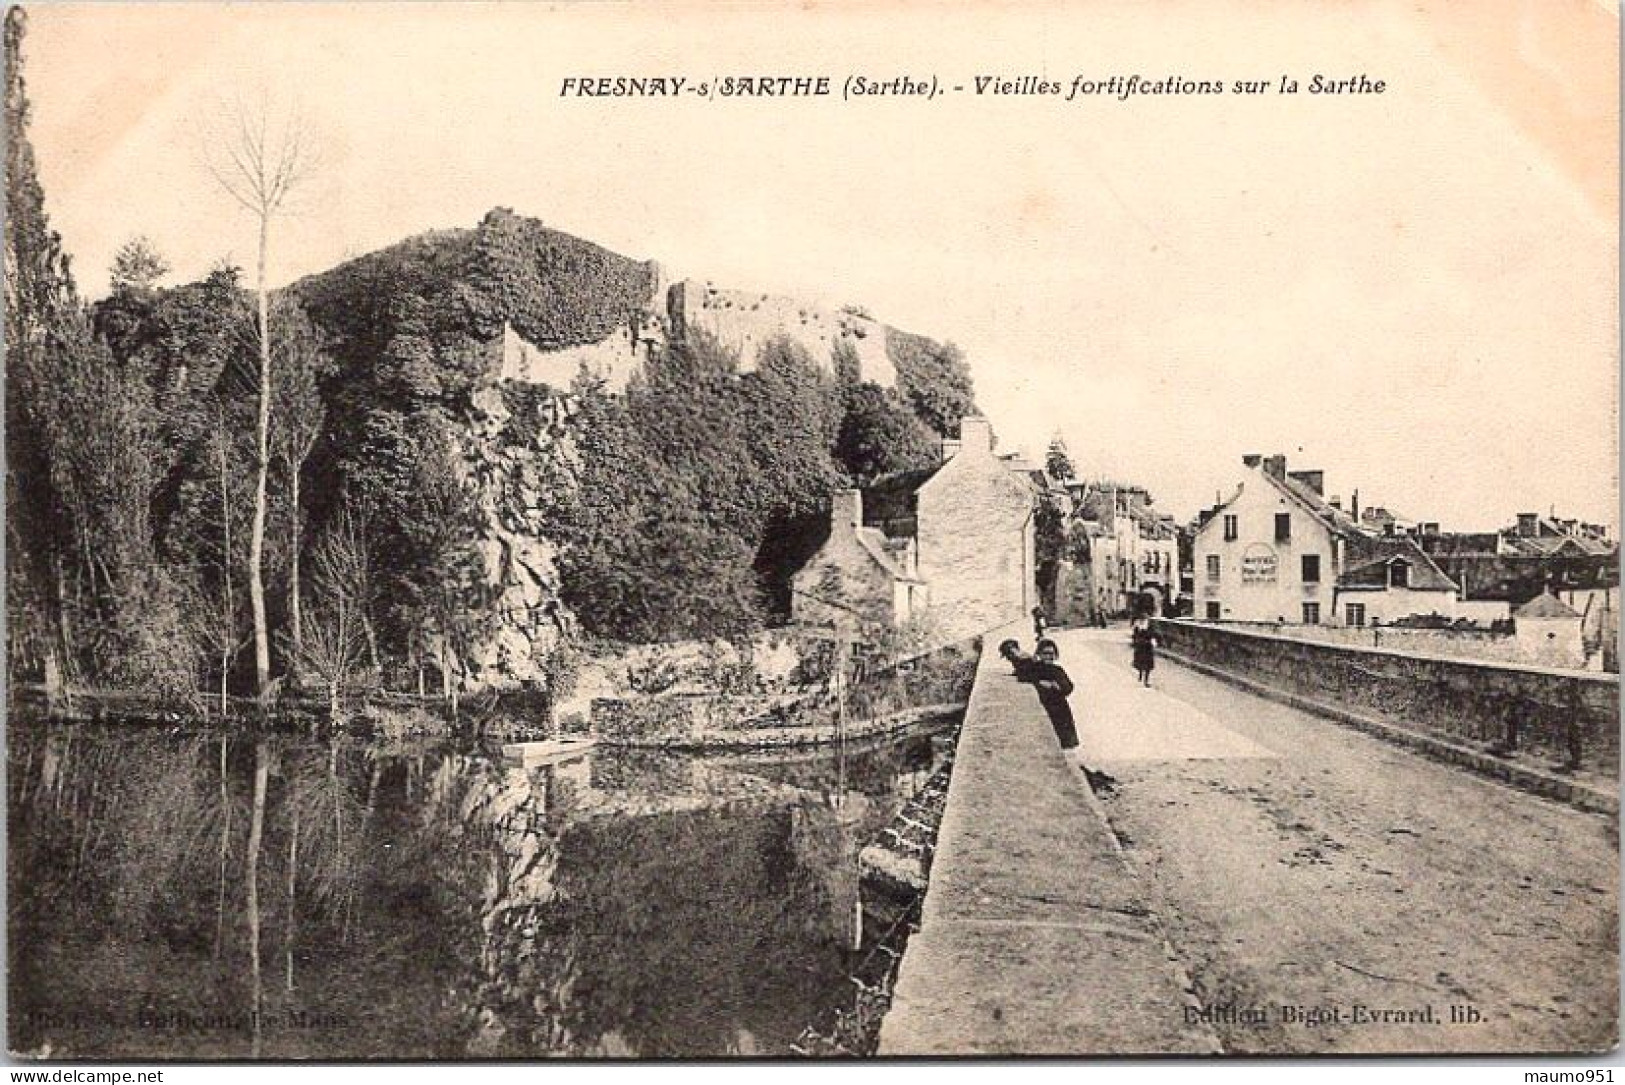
{"points": [[175, 894]]}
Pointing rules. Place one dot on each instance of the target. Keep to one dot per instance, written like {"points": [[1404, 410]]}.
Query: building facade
{"points": [[1278, 551], [860, 577], [951, 547], [1131, 553]]}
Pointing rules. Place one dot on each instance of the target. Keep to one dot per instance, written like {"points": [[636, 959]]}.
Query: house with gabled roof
{"points": [[952, 544], [1549, 632], [1390, 577], [1279, 551], [860, 577]]}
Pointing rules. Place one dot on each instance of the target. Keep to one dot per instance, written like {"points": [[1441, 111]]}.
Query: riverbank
{"points": [[770, 738]]}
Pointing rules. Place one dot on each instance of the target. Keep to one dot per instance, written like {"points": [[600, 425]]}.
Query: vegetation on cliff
{"points": [[675, 509]]}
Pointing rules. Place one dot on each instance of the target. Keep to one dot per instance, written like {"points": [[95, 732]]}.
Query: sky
{"points": [[1416, 291]]}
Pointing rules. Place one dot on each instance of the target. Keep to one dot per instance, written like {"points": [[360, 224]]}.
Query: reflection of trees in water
{"points": [[151, 874], [664, 907], [694, 926]]}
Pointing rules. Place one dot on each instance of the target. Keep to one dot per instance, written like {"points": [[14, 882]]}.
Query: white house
{"points": [[1548, 632], [1278, 551]]}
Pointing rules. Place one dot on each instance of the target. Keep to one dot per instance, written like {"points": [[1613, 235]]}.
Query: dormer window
{"points": [[1399, 574]]}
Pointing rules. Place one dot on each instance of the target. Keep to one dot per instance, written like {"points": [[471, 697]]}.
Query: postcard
{"points": [[875, 529]]}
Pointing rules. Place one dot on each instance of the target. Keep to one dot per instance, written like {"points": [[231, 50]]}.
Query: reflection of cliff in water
{"points": [[646, 905], [430, 904]]}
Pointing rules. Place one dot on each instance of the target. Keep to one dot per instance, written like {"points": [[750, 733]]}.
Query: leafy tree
{"points": [[441, 587], [640, 543], [137, 266], [648, 583], [83, 453], [1049, 547], [1057, 463], [880, 435], [39, 294], [934, 379]]}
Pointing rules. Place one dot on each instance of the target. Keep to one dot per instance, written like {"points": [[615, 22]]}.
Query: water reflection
{"points": [[193, 895]]}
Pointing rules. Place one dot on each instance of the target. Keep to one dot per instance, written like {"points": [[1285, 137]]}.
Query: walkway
{"points": [[1036, 937]]}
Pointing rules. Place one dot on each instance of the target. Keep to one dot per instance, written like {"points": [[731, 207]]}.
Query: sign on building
{"points": [[1258, 565]]}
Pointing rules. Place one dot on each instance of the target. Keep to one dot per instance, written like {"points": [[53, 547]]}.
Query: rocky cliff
{"points": [[491, 328]]}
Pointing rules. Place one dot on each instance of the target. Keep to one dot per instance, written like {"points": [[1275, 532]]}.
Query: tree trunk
{"points": [[293, 888], [64, 627], [256, 831], [230, 618], [53, 680], [295, 621], [225, 840], [445, 674], [262, 461]]}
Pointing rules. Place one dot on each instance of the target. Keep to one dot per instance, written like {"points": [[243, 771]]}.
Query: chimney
{"points": [[1275, 465], [1315, 480], [846, 509], [1354, 506], [1336, 502], [1430, 530], [976, 435], [1526, 524], [1252, 459]]}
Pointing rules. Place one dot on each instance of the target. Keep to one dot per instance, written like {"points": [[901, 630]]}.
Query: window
{"points": [[1311, 614], [1213, 566], [1212, 611], [1232, 530], [1283, 526], [1401, 574], [1311, 568], [1355, 615]]}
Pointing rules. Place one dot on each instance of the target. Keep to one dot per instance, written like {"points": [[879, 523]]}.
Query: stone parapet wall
{"points": [[1460, 700], [1474, 644]]}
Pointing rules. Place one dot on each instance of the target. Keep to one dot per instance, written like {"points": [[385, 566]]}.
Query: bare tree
{"points": [[332, 651], [343, 574], [259, 157]]}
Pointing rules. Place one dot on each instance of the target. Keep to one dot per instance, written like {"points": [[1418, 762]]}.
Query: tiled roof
{"points": [[1367, 561], [1517, 578], [1335, 520], [873, 541], [889, 501], [1545, 605], [1449, 544], [1552, 544]]}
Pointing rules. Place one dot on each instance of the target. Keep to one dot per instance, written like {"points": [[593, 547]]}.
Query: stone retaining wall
{"points": [[1552, 711], [774, 738]]}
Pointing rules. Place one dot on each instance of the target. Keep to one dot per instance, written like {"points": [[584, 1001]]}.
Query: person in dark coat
{"points": [[1040, 625], [1010, 651], [1053, 686], [1145, 650]]}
